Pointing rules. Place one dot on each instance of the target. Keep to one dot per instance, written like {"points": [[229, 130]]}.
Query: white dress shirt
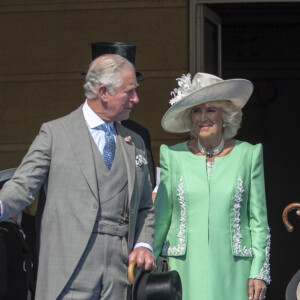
{"points": [[93, 122]]}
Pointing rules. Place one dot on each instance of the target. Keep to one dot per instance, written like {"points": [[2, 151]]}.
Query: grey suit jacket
{"points": [[62, 152]]}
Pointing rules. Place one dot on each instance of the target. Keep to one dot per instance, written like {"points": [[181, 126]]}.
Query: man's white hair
{"points": [[106, 70]]}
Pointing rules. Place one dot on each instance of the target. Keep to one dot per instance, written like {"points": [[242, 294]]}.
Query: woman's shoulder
{"points": [[242, 145], [176, 147]]}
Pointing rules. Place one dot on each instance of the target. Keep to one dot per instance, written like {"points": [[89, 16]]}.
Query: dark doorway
{"points": [[261, 42]]}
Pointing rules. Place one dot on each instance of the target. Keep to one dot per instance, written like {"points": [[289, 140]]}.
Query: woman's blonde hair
{"points": [[232, 117]]}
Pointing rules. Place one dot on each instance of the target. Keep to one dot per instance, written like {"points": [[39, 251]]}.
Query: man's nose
{"points": [[134, 98]]}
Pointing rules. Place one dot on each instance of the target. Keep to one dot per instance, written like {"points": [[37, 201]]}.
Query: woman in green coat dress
{"points": [[211, 218]]}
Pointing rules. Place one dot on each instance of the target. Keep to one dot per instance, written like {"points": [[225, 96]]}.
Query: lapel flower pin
{"points": [[128, 139], [140, 160]]}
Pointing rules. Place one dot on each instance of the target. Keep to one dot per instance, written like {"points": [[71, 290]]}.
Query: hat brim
{"points": [[238, 91], [157, 286], [139, 76], [138, 278]]}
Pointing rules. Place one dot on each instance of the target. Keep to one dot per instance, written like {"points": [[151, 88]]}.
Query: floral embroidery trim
{"points": [[140, 160], [265, 270], [237, 236], [179, 249]]}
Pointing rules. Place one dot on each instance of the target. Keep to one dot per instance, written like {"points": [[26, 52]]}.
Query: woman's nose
{"points": [[203, 116]]}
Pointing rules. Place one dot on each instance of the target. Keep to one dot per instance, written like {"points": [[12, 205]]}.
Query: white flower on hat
{"points": [[184, 84], [188, 86]]}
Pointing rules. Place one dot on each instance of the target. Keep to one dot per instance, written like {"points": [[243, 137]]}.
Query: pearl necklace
{"points": [[211, 152]]}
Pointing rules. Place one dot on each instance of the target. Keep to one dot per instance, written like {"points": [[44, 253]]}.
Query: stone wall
{"points": [[45, 45]]}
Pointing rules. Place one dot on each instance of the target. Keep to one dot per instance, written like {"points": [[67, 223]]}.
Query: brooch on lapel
{"points": [[140, 160], [128, 139]]}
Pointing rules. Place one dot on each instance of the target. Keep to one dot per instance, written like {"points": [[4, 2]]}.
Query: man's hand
{"points": [[144, 258], [256, 289]]}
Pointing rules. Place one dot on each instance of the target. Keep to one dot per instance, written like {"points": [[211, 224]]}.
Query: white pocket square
{"points": [[140, 160]]}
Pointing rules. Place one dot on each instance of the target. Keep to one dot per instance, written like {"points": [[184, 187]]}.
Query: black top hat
{"points": [[157, 286], [5, 175], [123, 49]]}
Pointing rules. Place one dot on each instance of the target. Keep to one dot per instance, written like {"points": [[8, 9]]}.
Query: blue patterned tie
{"points": [[110, 145]]}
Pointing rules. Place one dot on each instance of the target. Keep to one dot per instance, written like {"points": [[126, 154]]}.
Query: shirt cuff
{"points": [[157, 179], [144, 245], [155, 189]]}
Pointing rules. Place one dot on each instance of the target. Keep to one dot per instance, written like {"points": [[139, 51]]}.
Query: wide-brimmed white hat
{"points": [[203, 88]]}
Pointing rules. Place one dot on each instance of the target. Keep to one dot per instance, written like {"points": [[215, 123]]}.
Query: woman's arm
{"points": [[163, 202], [260, 268]]}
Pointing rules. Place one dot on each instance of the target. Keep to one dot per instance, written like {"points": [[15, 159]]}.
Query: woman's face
{"points": [[207, 121]]}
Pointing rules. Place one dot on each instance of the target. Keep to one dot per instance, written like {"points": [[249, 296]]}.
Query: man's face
{"points": [[121, 103]]}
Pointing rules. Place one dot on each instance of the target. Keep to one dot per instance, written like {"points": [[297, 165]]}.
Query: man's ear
{"points": [[103, 93]]}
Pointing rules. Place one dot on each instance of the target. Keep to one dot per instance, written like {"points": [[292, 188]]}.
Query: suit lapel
{"points": [[128, 149], [79, 138]]}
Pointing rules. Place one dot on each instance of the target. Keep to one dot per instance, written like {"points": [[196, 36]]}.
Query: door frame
{"points": [[197, 55], [196, 8]]}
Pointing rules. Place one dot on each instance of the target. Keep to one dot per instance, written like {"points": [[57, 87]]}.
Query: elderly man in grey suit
{"points": [[98, 214]]}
